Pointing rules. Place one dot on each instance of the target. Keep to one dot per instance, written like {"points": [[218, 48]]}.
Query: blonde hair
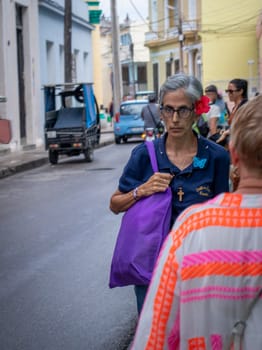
{"points": [[246, 134]]}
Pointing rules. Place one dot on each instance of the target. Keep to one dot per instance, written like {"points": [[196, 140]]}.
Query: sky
{"points": [[126, 6]]}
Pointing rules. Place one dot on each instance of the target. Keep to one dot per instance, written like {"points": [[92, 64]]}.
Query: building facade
{"points": [[173, 39], [134, 57], [215, 41], [31, 55], [20, 71], [259, 38], [230, 48]]}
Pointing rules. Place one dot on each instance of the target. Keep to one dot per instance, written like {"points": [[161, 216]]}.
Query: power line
{"points": [[137, 11]]}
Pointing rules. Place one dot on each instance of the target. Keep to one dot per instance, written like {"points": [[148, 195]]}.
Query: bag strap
{"points": [[239, 327], [152, 154], [152, 115]]}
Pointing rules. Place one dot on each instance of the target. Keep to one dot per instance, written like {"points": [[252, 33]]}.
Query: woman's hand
{"points": [[224, 134], [158, 182]]}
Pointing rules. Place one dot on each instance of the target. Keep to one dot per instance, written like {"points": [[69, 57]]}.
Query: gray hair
{"points": [[191, 85]]}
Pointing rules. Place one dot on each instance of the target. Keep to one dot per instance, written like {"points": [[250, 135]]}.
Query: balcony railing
{"points": [[190, 26]]}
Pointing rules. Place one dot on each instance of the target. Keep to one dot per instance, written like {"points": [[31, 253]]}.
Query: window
{"points": [[125, 39], [134, 108], [168, 69], [176, 66], [61, 62], [154, 15], [50, 62], [125, 75], [141, 74], [155, 77], [172, 12]]}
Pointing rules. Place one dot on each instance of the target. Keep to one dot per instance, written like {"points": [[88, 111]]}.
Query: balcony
{"points": [[189, 28]]}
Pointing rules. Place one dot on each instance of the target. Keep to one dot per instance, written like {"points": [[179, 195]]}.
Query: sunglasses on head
{"points": [[230, 91]]}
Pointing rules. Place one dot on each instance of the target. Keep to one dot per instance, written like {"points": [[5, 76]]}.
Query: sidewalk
{"points": [[15, 162]]}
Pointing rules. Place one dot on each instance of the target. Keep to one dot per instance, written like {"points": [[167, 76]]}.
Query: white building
{"points": [[134, 57], [31, 55]]}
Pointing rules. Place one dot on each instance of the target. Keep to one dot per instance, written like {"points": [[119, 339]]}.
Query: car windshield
{"points": [[132, 108]]}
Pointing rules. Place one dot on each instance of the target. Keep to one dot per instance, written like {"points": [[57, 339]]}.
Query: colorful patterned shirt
{"points": [[207, 274]]}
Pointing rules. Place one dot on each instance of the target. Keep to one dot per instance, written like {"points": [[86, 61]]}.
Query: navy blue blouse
{"points": [[203, 179]]}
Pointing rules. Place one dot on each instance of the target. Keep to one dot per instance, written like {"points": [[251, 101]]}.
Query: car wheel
{"points": [[53, 157], [117, 140], [89, 154]]}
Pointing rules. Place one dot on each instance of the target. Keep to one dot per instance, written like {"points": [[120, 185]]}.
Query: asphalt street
{"points": [[57, 236]]}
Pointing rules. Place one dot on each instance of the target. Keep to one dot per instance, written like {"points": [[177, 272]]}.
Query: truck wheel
{"points": [[125, 139], [53, 157], [89, 154], [117, 140]]}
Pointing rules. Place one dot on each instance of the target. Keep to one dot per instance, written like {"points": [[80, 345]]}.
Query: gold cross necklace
{"points": [[180, 194]]}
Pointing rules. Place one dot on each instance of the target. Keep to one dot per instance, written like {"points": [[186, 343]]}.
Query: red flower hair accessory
{"points": [[202, 105]]}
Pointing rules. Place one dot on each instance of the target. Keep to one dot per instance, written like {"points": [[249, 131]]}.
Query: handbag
{"points": [[143, 228], [238, 330]]}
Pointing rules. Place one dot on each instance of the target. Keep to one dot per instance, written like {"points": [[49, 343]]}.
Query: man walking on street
{"points": [[151, 113]]}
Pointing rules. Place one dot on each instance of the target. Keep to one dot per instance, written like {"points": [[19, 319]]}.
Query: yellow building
{"points": [[173, 39], [213, 40], [259, 38], [229, 43]]}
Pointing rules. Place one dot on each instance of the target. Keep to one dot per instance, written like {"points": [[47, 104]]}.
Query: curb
{"points": [[23, 167], [105, 143], [31, 164]]}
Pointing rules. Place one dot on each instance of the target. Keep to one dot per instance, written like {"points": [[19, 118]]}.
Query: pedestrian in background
{"points": [[195, 168], [237, 93], [207, 285], [216, 98], [151, 113], [214, 113]]}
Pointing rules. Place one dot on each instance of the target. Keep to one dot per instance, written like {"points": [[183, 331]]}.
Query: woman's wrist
{"points": [[136, 194]]}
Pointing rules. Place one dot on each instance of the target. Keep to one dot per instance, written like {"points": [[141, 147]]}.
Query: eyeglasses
{"points": [[230, 91], [182, 112]]}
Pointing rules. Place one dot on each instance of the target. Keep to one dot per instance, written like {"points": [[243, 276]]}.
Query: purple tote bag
{"points": [[143, 229]]}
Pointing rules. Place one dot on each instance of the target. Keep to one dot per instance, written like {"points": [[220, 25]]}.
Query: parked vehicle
{"points": [[143, 95], [72, 122], [128, 122]]}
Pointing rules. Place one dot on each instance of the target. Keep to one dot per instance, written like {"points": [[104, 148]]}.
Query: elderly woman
{"points": [[195, 168]]}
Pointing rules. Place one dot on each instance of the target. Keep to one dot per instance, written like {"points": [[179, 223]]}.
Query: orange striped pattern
{"points": [[220, 268], [197, 343], [225, 216], [229, 200]]}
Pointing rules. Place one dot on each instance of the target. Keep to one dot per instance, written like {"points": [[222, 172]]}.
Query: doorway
{"points": [[155, 78], [20, 70]]}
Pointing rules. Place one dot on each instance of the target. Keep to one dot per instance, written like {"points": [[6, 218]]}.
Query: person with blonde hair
{"points": [[206, 290]]}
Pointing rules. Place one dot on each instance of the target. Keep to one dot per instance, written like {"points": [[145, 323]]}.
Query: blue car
{"points": [[128, 122]]}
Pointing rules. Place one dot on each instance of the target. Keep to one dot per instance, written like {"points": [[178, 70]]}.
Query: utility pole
{"points": [[180, 36], [117, 74], [67, 41], [133, 83]]}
